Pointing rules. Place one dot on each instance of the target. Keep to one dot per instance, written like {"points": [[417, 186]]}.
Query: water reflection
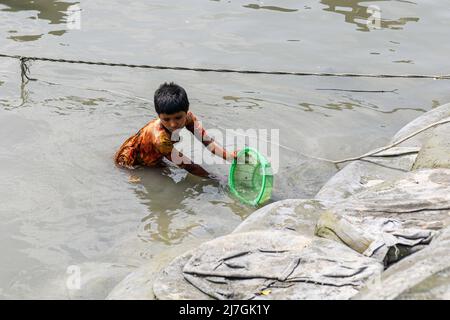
{"points": [[26, 38], [242, 102], [355, 103], [181, 205], [357, 14], [273, 8], [53, 11]]}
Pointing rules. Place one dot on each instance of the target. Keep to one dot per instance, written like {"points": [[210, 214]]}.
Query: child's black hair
{"points": [[170, 98]]}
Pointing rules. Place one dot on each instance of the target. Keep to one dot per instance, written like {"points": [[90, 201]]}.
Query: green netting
{"points": [[251, 178]]}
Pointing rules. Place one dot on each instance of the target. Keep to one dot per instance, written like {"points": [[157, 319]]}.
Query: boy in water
{"points": [[156, 139]]}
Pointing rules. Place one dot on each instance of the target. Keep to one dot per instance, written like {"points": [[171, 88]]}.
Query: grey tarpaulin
{"points": [[296, 215], [427, 118], [362, 174], [394, 218], [243, 265], [423, 275], [417, 199], [435, 152], [170, 283], [383, 239]]}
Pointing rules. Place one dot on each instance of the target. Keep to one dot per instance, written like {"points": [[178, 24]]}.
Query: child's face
{"points": [[173, 121]]}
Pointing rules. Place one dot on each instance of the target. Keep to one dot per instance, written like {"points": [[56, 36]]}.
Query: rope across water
{"points": [[25, 59]]}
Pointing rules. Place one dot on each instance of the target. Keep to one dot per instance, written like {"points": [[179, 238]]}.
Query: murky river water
{"points": [[63, 202]]}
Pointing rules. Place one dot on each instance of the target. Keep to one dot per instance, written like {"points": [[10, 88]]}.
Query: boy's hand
{"points": [[233, 155]]}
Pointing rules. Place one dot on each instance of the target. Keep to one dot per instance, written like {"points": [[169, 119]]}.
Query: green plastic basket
{"points": [[251, 178]]}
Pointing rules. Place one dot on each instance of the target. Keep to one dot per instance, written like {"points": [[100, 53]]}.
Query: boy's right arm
{"points": [[200, 133], [184, 162]]}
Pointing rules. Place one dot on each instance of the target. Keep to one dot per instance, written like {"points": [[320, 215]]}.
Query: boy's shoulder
{"points": [[154, 127], [154, 133], [191, 120]]}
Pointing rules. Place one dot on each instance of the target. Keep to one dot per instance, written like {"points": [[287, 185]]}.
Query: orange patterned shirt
{"points": [[153, 142]]}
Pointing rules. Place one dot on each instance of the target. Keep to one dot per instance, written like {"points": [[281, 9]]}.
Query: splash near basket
{"points": [[250, 178]]}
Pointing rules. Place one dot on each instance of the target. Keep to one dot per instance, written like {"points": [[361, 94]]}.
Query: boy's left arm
{"points": [[216, 149], [200, 133]]}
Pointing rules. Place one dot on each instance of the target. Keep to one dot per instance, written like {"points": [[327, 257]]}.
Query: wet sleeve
{"points": [[126, 155]]}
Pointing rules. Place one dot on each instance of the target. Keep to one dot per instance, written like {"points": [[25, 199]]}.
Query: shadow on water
{"points": [[358, 14], [50, 10], [175, 199]]}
